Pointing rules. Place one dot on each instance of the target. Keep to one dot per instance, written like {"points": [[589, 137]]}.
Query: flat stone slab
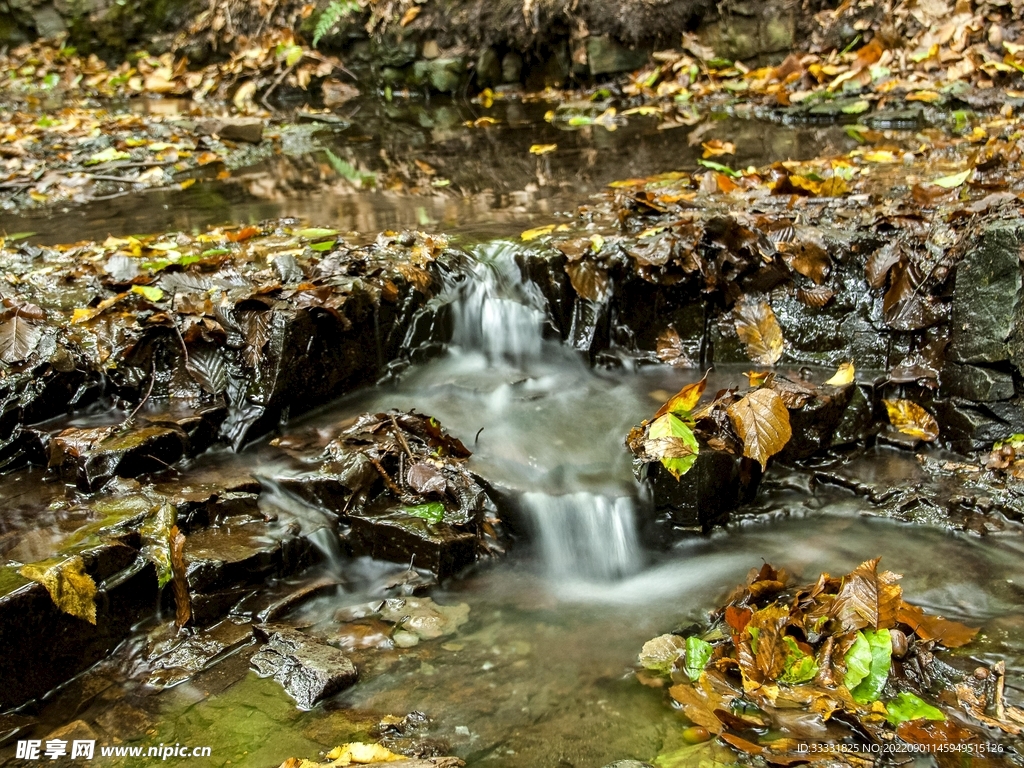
{"points": [[308, 670]]}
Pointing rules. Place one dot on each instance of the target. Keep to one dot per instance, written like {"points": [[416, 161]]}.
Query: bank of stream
{"points": [[535, 659]]}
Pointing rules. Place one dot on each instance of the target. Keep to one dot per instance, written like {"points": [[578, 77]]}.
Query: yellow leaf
{"points": [[926, 96], [187, 183], [881, 156], [410, 15], [359, 753], [843, 376], [762, 422], [533, 234], [911, 419], [70, 587], [542, 149], [759, 331], [149, 292], [715, 147], [757, 378], [685, 400], [954, 181]]}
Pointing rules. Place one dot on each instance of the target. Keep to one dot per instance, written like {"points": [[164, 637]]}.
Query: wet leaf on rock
{"points": [[71, 588], [661, 653], [673, 443], [208, 366], [148, 292], [710, 754], [844, 375], [685, 400], [432, 512], [911, 419], [18, 338], [759, 331], [695, 706], [425, 478], [156, 540], [179, 582], [589, 280], [762, 422], [670, 349]]}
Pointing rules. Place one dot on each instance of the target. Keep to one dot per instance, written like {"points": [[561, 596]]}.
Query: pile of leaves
{"points": [[254, 69], [407, 464], [846, 664]]}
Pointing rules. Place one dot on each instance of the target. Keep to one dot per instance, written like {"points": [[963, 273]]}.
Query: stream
{"points": [[542, 673]]}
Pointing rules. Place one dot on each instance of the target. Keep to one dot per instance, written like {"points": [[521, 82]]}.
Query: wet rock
{"points": [[977, 383], [125, 722], [968, 426], [702, 498], [44, 647], [249, 130], [225, 564], [511, 67], [814, 422], [404, 538], [488, 68], [336, 93], [197, 652], [77, 730], [308, 670], [420, 618], [986, 297], [90, 457], [605, 55]]}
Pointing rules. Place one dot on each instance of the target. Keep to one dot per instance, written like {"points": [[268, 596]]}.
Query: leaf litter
{"points": [[842, 665]]}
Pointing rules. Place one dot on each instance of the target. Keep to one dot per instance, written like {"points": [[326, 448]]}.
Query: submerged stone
{"points": [[308, 670], [403, 538], [90, 457]]}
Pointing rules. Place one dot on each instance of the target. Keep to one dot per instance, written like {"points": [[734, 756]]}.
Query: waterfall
{"points": [[585, 536], [496, 312]]}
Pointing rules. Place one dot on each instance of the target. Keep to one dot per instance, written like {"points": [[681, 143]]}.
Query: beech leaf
{"points": [[698, 654], [673, 443], [685, 400], [18, 338], [70, 587], [867, 665], [951, 634], [867, 599], [906, 706], [759, 330], [660, 654], [843, 376], [911, 419], [762, 422]]}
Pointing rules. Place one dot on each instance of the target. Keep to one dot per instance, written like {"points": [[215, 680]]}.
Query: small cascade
{"points": [[585, 536], [497, 312]]}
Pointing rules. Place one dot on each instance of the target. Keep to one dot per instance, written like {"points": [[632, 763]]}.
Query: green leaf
{"points": [[710, 754], [316, 233], [720, 168], [333, 13], [150, 292], [698, 653], [799, 667], [669, 431], [324, 245], [951, 182], [107, 155], [156, 540], [432, 512], [18, 236], [907, 706], [867, 665], [857, 107], [214, 252]]}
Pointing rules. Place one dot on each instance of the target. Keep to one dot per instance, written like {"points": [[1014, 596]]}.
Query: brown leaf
{"points": [[807, 258], [179, 582], [911, 419], [737, 618], [696, 707], [759, 330], [869, 54], [769, 650], [762, 422], [670, 349], [934, 732], [425, 478], [951, 634], [816, 297], [18, 338], [906, 306], [867, 599], [589, 280]]}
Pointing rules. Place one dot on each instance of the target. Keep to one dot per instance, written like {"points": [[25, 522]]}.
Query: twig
{"points": [[401, 437], [142, 402], [277, 82]]}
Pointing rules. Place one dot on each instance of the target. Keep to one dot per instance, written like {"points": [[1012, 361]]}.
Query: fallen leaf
{"points": [[661, 653], [715, 147], [533, 234], [867, 599], [906, 707], [951, 182], [670, 349], [698, 654], [410, 15], [951, 634], [673, 443], [696, 708], [149, 292], [543, 149], [179, 581], [911, 419], [18, 338], [685, 400], [71, 588], [759, 330], [867, 665], [589, 280], [844, 375], [762, 422]]}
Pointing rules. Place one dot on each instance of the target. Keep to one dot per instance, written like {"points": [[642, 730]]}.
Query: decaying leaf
{"points": [[589, 280], [762, 422], [695, 707], [670, 349], [179, 581], [360, 753], [867, 599], [18, 338], [951, 634], [759, 331], [70, 587], [661, 653], [911, 419]]}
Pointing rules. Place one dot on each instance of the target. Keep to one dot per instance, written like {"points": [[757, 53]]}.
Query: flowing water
{"points": [[541, 675]]}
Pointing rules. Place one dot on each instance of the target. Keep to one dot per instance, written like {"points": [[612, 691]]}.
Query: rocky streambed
{"points": [[247, 466]]}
